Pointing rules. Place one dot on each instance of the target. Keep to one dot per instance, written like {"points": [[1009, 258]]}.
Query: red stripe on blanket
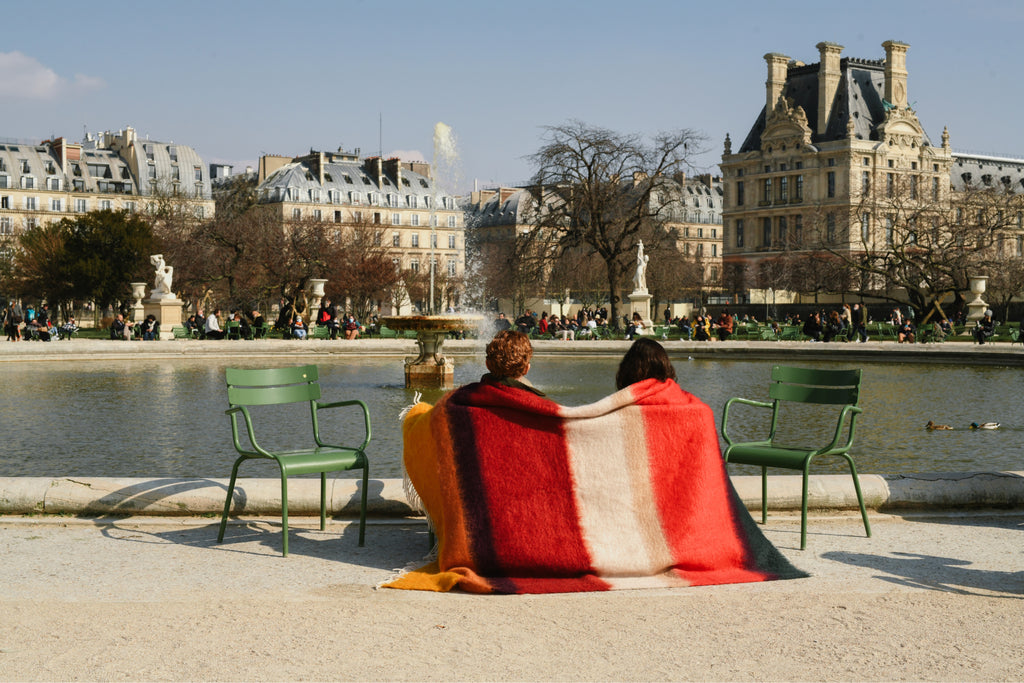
{"points": [[691, 487], [521, 526]]}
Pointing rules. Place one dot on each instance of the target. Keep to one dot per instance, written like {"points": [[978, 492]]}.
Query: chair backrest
{"points": [[808, 385], [272, 386]]}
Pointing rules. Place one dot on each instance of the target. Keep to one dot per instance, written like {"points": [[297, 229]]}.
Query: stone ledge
{"points": [[200, 496]]}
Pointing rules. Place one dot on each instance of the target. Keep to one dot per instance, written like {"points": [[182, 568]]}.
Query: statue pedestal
{"points": [[166, 309], [640, 302]]}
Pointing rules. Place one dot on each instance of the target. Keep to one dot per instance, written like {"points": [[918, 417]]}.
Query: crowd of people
{"points": [[32, 324]]}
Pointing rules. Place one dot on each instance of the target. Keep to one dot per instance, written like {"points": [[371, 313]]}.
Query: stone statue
{"points": [[640, 278], [164, 273]]}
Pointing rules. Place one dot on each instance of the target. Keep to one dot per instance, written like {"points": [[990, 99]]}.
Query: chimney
{"points": [[896, 73], [778, 65], [828, 81]]}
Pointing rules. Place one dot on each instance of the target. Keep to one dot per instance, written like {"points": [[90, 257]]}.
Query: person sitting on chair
{"points": [[298, 328], [985, 328]]}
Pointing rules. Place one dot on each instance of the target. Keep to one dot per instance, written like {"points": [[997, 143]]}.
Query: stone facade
{"points": [[55, 179], [828, 134], [399, 200]]}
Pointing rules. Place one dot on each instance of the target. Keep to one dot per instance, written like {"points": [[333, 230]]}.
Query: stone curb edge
{"points": [[202, 496]]}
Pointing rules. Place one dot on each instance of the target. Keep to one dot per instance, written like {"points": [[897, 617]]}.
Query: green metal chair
{"points": [[279, 386], [800, 385]]}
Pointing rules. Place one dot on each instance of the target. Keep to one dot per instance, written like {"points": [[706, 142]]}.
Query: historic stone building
{"points": [[690, 207], [411, 216], [52, 180], [833, 137]]}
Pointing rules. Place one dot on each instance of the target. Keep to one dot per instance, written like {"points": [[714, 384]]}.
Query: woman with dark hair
{"points": [[646, 359]]}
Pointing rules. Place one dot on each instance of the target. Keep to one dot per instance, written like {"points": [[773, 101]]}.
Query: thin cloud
{"points": [[25, 77]]}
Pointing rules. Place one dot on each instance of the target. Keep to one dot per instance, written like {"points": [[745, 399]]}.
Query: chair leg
{"points": [[764, 495], [803, 512], [323, 501], [284, 513], [860, 498], [362, 504], [227, 503]]}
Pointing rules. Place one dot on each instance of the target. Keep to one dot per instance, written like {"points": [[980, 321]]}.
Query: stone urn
{"points": [[976, 308]]}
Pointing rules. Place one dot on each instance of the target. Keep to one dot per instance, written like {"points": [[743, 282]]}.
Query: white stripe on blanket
{"points": [[618, 518]]}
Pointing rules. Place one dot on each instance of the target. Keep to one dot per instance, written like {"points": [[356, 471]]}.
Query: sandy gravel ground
{"points": [[926, 598]]}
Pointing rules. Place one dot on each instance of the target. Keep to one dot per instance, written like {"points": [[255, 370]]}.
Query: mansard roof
{"points": [[859, 98], [972, 171], [344, 176]]}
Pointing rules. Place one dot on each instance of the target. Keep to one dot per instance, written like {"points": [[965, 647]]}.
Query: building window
{"points": [[433, 240], [451, 241], [376, 217], [414, 265], [31, 223], [6, 226], [296, 214], [700, 233], [766, 231], [197, 172], [396, 219], [105, 205], [783, 228], [56, 205], [28, 182], [414, 202], [935, 189], [53, 184], [700, 250], [357, 216], [4, 182], [337, 216], [865, 182], [318, 215], [1020, 246], [739, 233], [414, 219], [451, 268], [831, 162], [890, 184], [831, 182], [913, 187], [830, 227], [354, 198], [415, 239], [377, 237], [739, 193], [767, 193], [798, 190], [714, 250], [798, 229], [451, 221], [396, 239], [32, 203], [865, 227], [889, 222]]}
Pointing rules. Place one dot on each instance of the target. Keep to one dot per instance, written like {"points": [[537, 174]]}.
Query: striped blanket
{"points": [[527, 496]]}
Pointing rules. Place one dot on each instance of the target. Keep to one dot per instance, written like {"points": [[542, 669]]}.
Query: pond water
{"points": [[165, 418]]}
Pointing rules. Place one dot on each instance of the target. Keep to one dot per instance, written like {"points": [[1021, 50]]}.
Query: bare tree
{"points": [[594, 187], [924, 246]]}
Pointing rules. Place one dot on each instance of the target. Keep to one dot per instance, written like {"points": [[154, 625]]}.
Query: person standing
{"points": [[860, 321]]}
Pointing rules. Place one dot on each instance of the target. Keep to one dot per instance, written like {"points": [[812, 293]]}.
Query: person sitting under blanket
{"points": [[528, 496]]}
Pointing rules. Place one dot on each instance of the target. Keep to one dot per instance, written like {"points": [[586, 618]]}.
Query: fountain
{"points": [[430, 369]]}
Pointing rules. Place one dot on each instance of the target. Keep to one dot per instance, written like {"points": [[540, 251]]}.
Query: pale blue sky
{"points": [[238, 79]]}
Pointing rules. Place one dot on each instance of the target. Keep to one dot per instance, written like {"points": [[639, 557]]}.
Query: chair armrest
{"points": [[744, 401], [341, 404], [257, 450], [834, 447]]}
